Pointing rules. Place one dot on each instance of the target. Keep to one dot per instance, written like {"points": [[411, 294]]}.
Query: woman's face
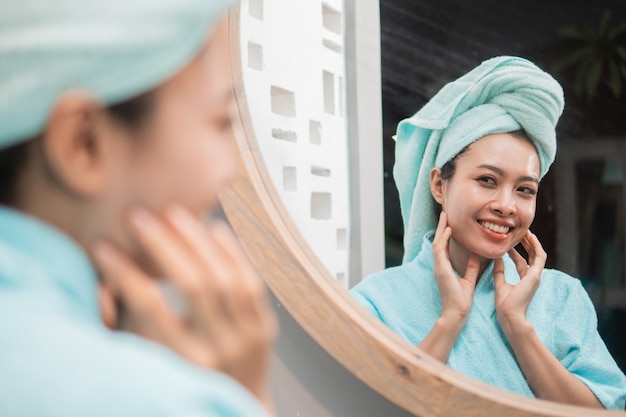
{"points": [[185, 151], [491, 198]]}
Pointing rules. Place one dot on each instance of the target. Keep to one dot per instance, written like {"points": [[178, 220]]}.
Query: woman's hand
{"points": [[546, 376], [512, 301], [456, 293], [230, 325]]}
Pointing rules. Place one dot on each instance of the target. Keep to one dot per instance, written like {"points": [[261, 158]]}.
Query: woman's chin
{"points": [[485, 249], [490, 253]]}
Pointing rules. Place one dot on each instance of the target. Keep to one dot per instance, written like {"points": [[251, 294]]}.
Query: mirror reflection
{"points": [[476, 152], [520, 336], [579, 203]]}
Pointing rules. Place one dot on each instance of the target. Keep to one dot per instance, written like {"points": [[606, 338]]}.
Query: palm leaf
{"points": [[615, 80], [574, 32], [622, 68], [579, 77], [617, 31], [592, 78], [621, 51], [604, 22], [574, 57]]}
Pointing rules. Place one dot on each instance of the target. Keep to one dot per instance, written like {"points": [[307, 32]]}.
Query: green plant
{"points": [[598, 57]]}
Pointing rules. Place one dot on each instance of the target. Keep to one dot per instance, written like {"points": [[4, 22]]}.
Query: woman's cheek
{"points": [[528, 214]]}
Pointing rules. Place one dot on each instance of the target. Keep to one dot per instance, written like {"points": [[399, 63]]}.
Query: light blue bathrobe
{"points": [[58, 359], [407, 300]]}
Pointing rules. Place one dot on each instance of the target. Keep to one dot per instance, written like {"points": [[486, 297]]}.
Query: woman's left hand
{"points": [[512, 301]]}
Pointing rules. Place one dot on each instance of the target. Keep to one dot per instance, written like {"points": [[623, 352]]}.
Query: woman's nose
{"points": [[504, 204]]}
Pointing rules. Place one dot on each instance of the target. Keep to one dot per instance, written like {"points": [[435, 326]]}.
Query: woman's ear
{"points": [[437, 185], [74, 144]]}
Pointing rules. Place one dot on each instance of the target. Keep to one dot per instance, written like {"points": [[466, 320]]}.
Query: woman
{"points": [[114, 142], [477, 152]]}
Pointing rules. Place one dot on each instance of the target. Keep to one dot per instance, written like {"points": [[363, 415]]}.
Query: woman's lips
{"points": [[494, 230], [497, 228]]}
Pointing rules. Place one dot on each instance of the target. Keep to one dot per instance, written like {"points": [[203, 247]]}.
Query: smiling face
{"points": [[491, 198]]}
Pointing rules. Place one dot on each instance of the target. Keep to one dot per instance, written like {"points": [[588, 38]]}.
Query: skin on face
{"points": [[90, 168], [491, 198], [184, 154]]}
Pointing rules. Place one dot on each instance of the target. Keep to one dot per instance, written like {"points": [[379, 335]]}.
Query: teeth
{"points": [[495, 227]]}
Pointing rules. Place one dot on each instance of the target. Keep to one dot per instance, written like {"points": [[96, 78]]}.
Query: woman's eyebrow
{"points": [[501, 173]]}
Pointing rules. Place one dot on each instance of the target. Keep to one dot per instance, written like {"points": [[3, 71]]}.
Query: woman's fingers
{"points": [[442, 223], [108, 310], [174, 250], [530, 250], [473, 266], [209, 292], [441, 243], [233, 285], [138, 293], [166, 251], [230, 279], [254, 293], [232, 252], [520, 262], [498, 273], [537, 255]]}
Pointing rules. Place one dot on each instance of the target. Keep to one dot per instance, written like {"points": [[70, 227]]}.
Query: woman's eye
{"points": [[487, 180], [527, 190]]}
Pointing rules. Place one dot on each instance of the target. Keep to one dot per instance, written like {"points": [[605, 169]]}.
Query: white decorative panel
{"points": [[294, 70]]}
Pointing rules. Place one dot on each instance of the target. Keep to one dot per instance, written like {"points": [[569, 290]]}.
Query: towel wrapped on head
{"points": [[502, 94], [112, 49]]}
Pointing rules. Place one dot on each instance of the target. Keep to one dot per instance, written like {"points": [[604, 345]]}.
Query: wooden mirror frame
{"points": [[363, 345]]}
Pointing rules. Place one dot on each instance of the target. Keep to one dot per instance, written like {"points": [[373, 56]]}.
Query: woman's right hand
{"points": [[230, 326], [456, 294]]}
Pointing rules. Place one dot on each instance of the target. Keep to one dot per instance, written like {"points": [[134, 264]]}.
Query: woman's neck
{"points": [[459, 257]]}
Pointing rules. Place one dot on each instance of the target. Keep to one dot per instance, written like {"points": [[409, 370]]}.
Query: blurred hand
{"points": [[512, 301], [230, 325]]}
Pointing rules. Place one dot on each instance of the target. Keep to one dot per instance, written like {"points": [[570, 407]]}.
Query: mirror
{"points": [[294, 272], [580, 210]]}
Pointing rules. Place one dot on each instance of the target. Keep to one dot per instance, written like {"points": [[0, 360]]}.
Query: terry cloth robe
{"points": [[58, 359], [406, 300]]}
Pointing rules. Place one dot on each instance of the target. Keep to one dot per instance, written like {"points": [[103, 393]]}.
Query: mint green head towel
{"points": [[113, 49], [501, 95]]}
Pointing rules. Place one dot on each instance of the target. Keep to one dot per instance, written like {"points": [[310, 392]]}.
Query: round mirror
{"points": [[310, 276]]}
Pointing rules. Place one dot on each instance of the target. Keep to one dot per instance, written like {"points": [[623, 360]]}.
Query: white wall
{"points": [[293, 57], [312, 75]]}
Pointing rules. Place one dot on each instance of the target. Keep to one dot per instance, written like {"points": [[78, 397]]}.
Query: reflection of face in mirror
{"points": [[463, 295], [489, 195]]}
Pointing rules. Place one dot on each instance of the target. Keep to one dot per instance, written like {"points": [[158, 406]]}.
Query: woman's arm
{"points": [[439, 342], [456, 295], [546, 376]]}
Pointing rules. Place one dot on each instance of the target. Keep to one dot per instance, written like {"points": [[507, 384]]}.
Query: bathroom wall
{"points": [[312, 78]]}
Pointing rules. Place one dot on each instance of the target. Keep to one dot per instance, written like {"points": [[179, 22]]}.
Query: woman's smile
{"points": [[493, 227], [490, 199]]}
